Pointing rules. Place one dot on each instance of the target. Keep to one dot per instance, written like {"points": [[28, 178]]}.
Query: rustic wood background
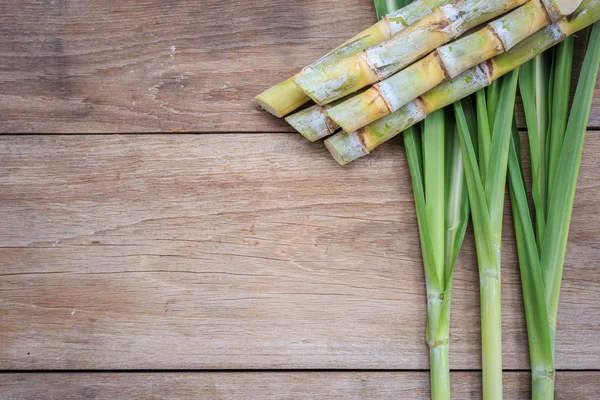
{"points": [[204, 251]]}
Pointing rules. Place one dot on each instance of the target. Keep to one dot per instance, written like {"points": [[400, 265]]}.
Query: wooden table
{"points": [[236, 261]]}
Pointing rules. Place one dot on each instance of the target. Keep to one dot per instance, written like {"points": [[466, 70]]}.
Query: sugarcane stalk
{"points": [[346, 147], [444, 63], [331, 82], [285, 97], [313, 122], [541, 254]]}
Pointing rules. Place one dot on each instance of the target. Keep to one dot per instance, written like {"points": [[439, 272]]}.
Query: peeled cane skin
{"points": [[285, 97], [444, 63], [327, 83], [465, 84]]}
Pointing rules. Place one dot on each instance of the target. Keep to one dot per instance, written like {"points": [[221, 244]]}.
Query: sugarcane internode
{"points": [[463, 85], [444, 63], [330, 82], [285, 97]]}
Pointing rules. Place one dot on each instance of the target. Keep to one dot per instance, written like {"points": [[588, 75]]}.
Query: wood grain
{"points": [[240, 251], [281, 385], [88, 66]]}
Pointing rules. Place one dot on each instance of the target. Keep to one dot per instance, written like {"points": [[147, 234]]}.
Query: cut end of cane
{"points": [[312, 123], [282, 99], [262, 102], [567, 7], [346, 147]]}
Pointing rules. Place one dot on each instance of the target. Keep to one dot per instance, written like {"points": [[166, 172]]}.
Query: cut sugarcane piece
{"points": [[285, 97], [346, 147], [333, 81], [313, 123], [444, 63]]}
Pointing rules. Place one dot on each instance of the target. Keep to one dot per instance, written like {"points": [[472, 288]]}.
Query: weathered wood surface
{"points": [[245, 251], [157, 66], [282, 385]]}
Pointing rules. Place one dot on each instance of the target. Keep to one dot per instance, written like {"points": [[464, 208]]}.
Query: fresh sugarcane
{"points": [[333, 81], [442, 208], [285, 97], [555, 160], [313, 122], [486, 196], [348, 146], [447, 62]]}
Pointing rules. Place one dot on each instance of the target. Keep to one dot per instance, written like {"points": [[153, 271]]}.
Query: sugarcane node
{"points": [[365, 56], [361, 137], [438, 343], [486, 273], [552, 17], [380, 95], [442, 65], [331, 126], [488, 68], [421, 105], [385, 21], [445, 21], [502, 47]]}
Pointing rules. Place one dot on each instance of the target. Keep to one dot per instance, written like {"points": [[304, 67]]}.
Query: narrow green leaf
{"points": [[484, 138], [493, 93], [563, 193], [412, 147], [563, 66], [540, 339], [495, 183], [433, 140], [477, 198], [533, 83]]}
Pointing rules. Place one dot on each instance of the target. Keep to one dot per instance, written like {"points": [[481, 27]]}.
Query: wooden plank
{"points": [[281, 385], [157, 66], [244, 251]]}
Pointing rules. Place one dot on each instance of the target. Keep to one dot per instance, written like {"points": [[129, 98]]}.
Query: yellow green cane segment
{"points": [[346, 147], [282, 98], [285, 97], [444, 63], [463, 85], [312, 123], [360, 110], [415, 111], [582, 17], [333, 81]]}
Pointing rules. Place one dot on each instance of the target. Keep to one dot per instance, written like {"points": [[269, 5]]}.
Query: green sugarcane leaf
{"points": [[457, 216], [457, 201], [495, 182], [563, 66], [493, 94], [562, 197], [540, 338], [484, 138], [433, 141], [413, 150], [530, 87], [477, 198]]}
